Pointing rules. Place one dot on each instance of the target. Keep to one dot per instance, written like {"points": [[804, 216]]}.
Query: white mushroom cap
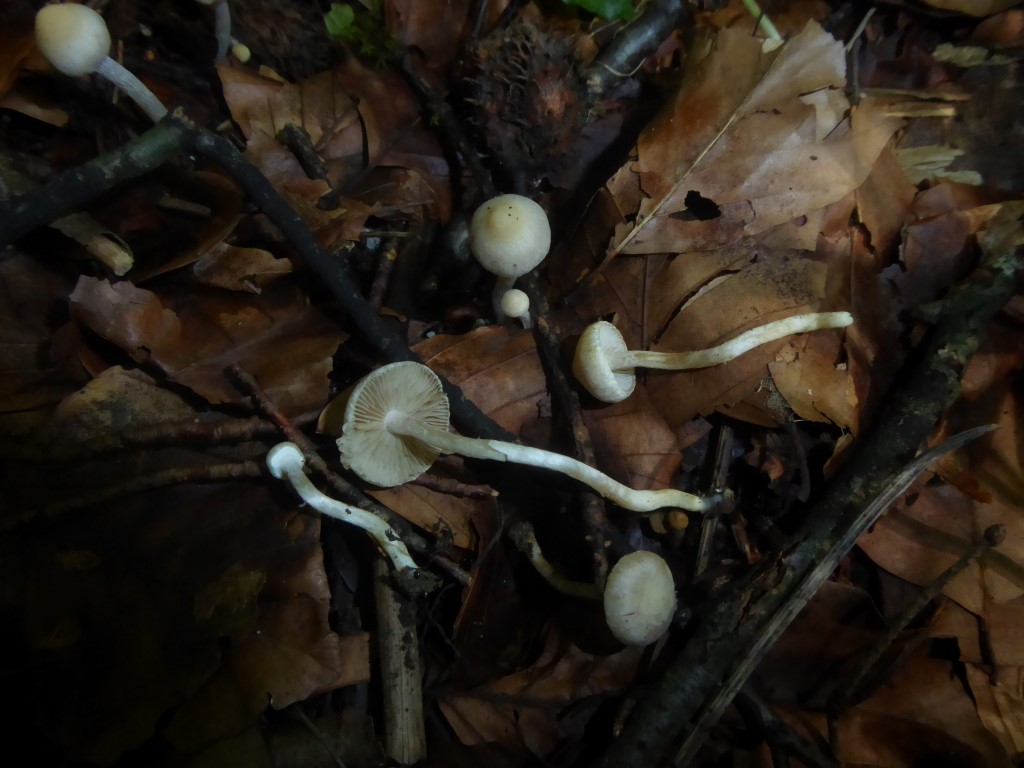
{"points": [[602, 365], [509, 235], [367, 447], [515, 303], [73, 38], [639, 598]]}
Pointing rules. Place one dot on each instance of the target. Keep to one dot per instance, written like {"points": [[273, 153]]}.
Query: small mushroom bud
{"points": [[75, 40], [516, 304], [606, 368], [639, 598], [509, 235]]}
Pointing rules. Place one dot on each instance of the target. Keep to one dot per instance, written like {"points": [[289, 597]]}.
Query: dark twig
{"points": [[595, 520], [634, 43], [77, 187], [732, 635], [453, 487], [385, 268], [144, 436], [778, 733], [297, 140], [209, 473], [450, 128], [719, 473]]}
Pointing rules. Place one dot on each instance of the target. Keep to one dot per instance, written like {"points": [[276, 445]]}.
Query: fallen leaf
{"points": [[751, 152], [286, 344]]}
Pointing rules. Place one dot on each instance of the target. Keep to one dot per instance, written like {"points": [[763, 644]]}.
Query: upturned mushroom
{"points": [[606, 367], [75, 40], [396, 425], [639, 598], [286, 462], [509, 235]]}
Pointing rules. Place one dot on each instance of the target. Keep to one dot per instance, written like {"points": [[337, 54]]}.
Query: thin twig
{"points": [[844, 693], [171, 137], [595, 519]]}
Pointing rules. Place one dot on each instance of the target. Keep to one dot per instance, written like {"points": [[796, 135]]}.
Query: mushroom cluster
{"points": [[509, 235], [607, 368], [396, 425]]}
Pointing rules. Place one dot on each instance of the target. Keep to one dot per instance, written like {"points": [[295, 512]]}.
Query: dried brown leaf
{"points": [[497, 368], [743, 135], [523, 708], [277, 337]]}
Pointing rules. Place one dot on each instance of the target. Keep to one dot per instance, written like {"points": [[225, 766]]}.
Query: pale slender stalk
{"points": [[746, 341], [286, 461], [222, 29], [762, 19], [525, 539], [496, 450], [133, 88]]}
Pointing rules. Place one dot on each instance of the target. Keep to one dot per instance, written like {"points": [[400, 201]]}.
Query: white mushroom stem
{"points": [[75, 40], [221, 26], [286, 462], [729, 350], [606, 368], [525, 539], [133, 88], [398, 423]]}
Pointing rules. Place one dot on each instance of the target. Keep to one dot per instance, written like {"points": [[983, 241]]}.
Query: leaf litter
{"points": [[194, 612]]}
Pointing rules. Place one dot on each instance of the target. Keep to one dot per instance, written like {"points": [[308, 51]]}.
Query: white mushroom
{"points": [[639, 598], [605, 366], [396, 425], [509, 235], [75, 40], [285, 462], [516, 304]]}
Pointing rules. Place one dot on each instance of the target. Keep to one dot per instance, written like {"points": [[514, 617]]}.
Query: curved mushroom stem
{"points": [[502, 285], [746, 341], [286, 462], [525, 539], [133, 88], [222, 29], [496, 450]]}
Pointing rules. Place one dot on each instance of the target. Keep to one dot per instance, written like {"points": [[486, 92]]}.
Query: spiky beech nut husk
{"points": [[529, 100]]}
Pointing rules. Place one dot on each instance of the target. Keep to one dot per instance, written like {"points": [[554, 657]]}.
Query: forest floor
{"points": [[178, 299]]}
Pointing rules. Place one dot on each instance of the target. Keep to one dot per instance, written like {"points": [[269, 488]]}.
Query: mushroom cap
{"points": [[639, 598], [366, 445], [509, 235], [515, 303], [601, 365], [73, 38]]}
